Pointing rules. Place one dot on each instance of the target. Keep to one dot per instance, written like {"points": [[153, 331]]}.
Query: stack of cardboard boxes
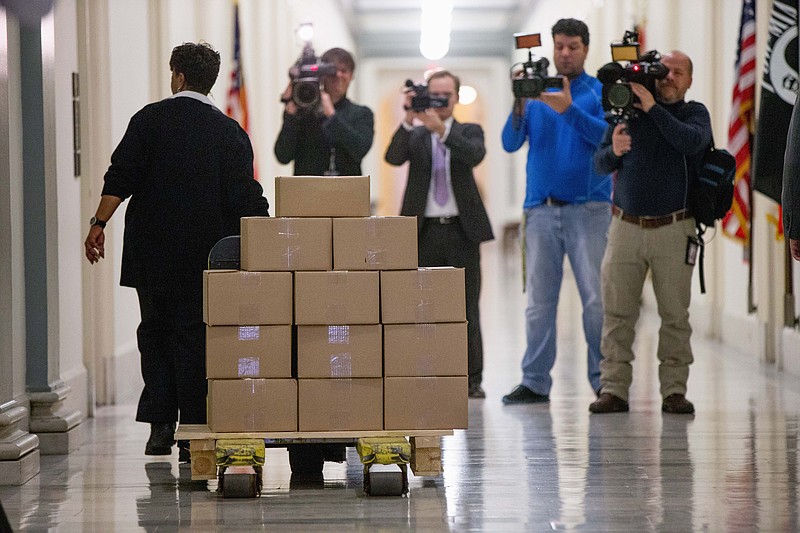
{"points": [[329, 325]]}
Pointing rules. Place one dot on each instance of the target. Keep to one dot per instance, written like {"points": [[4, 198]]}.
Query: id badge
{"points": [[692, 245]]}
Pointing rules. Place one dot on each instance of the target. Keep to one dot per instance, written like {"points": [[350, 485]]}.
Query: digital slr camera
{"points": [[646, 69], [533, 79], [306, 75], [422, 99]]}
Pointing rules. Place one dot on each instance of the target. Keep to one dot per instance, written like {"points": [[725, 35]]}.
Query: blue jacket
{"points": [[561, 146]]}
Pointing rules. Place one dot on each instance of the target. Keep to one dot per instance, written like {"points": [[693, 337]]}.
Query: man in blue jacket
{"points": [[567, 208], [188, 171]]}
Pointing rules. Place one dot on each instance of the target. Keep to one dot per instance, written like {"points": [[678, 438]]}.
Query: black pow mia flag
{"points": [[778, 93]]}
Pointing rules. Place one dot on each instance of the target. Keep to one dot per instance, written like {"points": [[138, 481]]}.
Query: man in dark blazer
{"points": [[441, 192], [188, 171], [331, 137]]}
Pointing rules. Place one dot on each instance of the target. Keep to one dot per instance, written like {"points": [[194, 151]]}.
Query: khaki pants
{"points": [[630, 253]]}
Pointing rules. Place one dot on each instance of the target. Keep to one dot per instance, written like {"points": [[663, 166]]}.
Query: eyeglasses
{"points": [[442, 95]]}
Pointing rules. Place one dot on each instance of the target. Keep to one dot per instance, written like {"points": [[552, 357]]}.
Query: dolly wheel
{"points": [[385, 483]]}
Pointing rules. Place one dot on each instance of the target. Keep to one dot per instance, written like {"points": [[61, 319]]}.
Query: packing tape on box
{"points": [[338, 334], [249, 333], [424, 279], [248, 367], [376, 256], [372, 228], [290, 256], [424, 311], [249, 278], [424, 331], [425, 364], [341, 365]]}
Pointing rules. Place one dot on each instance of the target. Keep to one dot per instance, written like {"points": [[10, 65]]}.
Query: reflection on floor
{"points": [[731, 467]]}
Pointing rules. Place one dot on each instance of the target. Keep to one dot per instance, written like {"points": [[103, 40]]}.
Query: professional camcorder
{"points": [[422, 99], [307, 72], [646, 69], [534, 79]]}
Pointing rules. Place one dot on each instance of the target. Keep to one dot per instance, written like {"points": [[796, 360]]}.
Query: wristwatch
{"points": [[94, 221]]}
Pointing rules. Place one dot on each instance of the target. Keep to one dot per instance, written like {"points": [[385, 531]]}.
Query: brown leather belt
{"points": [[444, 220], [650, 222]]}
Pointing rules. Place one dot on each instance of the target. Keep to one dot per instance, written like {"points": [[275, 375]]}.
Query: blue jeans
{"points": [[579, 231]]}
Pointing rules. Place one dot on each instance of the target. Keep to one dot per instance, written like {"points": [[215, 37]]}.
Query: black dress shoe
{"points": [[677, 404], [184, 456], [522, 394], [476, 391], [608, 403], [162, 437]]}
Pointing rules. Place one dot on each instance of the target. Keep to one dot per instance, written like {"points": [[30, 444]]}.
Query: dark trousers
{"points": [[172, 343], [447, 245]]}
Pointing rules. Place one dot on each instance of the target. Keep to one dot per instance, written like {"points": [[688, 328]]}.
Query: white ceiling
{"points": [[390, 28]]}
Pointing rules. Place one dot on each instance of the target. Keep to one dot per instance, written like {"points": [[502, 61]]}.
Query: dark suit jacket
{"points": [[465, 142], [307, 138], [791, 178], [188, 170]]}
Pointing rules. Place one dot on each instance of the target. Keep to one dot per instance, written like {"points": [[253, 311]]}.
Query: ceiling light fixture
{"points": [[434, 40]]}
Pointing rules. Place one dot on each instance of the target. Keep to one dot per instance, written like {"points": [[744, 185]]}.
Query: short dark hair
{"points": [[572, 28], [339, 55], [199, 64], [445, 74]]}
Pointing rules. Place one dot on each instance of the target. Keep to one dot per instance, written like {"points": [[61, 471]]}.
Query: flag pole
{"points": [[751, 305]]}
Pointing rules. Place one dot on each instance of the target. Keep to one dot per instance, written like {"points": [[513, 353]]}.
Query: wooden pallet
{"points": [[426, 451]]}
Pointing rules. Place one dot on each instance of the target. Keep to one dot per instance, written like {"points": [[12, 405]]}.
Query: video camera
{"points": [[647, 68], [422, 99], [534, 79], [307, 73]]}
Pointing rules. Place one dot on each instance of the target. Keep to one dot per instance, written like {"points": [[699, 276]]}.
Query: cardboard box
{"points": [[237, 298], [322, 196], [341, 404], [250, 405], [425, 349], [235, 352], [338, 297], [425, 403], [375, 243], [423, 295], [339, 351], [283, 244]]}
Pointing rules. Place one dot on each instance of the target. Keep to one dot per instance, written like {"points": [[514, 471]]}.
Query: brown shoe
{"points": [[677, 404], [608, 403]]}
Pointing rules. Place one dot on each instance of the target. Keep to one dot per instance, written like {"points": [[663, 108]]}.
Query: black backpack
{"points": [[711, 194]]}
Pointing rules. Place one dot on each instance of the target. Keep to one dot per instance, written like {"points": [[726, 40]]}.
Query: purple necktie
{"points": [[440, 192]]}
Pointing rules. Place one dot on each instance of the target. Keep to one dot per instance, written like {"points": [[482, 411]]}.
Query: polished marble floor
{"points": [[731, 467]]}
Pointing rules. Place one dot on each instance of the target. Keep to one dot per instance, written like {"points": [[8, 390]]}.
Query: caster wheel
{"points": [[240, 482], [385, 483]]}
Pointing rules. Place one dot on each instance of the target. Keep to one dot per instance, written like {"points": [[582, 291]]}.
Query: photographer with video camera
{"points": [[441, 192], [654, 155], [567, 208], [323, 132]]}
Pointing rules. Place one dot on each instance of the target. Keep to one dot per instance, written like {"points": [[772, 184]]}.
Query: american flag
{"points": [[237, 95], [736, 223]]}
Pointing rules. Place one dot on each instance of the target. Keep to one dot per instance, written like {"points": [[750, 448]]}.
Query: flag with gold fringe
{"points": [[237, 95], [741, 127]]}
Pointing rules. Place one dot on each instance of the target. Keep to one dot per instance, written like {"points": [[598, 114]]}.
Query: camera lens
{"points": [[620, 95], [306, 92]]}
